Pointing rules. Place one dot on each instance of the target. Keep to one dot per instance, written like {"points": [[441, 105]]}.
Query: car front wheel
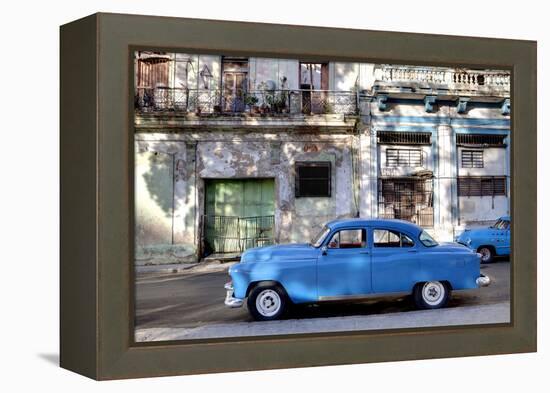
{"points": [[486, 254], [431, 294], [266, 302]]}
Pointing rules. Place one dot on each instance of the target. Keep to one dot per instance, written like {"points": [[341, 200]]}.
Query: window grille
{"points": [[485, 140], [403, 157], [472, 158], [404, 138]]}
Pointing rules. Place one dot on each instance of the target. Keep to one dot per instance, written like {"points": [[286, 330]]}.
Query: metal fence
{"points": [[230, 234], [267, 102]]}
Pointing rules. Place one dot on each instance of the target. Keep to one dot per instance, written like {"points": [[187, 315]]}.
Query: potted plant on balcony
{"points": [[271, 100], [281, 102], [251, 101], [276, 102]]}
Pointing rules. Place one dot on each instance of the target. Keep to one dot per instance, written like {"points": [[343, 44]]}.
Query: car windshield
{"points": [[318, 240], [501, 224], [427, 240]]}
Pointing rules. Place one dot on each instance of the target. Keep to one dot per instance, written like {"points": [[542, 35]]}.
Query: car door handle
{"points": [[363, 252], [412, 251]]}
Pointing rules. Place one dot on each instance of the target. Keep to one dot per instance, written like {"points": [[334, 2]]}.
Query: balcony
{"points": [[260, 103], [441, 81]]}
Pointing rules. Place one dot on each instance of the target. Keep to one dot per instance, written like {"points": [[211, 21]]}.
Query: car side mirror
{"points": [[324, 250]]}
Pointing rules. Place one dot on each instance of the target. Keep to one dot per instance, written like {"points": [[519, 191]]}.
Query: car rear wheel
{"points": [[267, 302], [486, 254], [431, 294]]}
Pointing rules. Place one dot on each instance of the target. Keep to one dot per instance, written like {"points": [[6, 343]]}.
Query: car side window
{"points": [[348, 238], [502, 225], [406, 241], [388, 238]]}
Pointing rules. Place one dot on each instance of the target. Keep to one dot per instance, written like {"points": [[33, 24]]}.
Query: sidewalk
{"points": [[464, 315]]}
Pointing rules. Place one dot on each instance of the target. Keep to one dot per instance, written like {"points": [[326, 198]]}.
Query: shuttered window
{"points": [[313, 179], [153, 72], [482, 186], [403, 157], [472, 158]]}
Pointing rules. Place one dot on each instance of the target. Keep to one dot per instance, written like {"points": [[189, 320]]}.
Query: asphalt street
{"points": [[192, 299]]}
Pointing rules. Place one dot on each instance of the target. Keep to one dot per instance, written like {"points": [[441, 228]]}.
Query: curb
{"points": [[199, 267], [176, 268]]}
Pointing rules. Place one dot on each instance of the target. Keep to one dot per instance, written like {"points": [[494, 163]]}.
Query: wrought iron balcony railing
{"points": [[267, 102], [450, 78]]}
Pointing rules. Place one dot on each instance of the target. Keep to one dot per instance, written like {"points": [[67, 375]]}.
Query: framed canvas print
{"points": [[241, 196]]}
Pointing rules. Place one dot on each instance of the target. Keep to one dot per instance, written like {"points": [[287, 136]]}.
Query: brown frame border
{"points": [[96, 205]]}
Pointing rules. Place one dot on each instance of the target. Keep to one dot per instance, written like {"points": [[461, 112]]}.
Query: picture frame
{"points": [[97, 223]]}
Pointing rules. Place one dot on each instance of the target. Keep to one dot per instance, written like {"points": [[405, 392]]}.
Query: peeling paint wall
{"points": [[296, 219], [233, 155], [165, 205]]}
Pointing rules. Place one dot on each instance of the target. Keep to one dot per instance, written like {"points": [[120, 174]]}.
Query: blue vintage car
{"points": [[489, 242], [353, 259]]}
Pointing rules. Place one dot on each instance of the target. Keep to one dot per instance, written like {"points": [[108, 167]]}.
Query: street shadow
{"points": [[52, 358], [342, 309]]}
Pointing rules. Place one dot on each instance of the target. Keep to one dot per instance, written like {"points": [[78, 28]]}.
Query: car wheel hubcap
{"points": [[485, 254], [268, 303], [433, 293]]}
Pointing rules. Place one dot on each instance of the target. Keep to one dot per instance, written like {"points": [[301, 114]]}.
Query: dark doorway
{"points": [[235, 80]]}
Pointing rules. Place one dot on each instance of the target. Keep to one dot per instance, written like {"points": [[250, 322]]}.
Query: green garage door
{"points": [[239, 214]]}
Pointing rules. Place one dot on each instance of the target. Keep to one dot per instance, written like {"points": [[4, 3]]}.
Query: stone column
{"points": [[445, 184]]}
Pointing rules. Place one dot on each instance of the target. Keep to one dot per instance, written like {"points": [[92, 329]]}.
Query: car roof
{"points": [[505, 218], [401, 225]]}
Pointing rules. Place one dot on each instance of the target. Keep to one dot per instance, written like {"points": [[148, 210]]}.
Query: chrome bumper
{"points": [[231, 301], [483, 281]]}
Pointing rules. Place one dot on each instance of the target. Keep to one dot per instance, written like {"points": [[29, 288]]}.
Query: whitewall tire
{"points": [[267, 302], [431, 294], [486, 254]]}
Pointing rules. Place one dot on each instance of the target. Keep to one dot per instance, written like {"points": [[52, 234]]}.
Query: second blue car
{"points": [[489, 242]]}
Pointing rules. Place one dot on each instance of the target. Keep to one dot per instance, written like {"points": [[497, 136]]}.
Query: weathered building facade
{"points": [[232, 153]]}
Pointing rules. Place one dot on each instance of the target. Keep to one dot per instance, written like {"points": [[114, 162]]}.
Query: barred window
{"points": [[406, 199], [403, 157], [472, 158], [482, 186], [313, 179], [404, 138], [484, 140]]}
